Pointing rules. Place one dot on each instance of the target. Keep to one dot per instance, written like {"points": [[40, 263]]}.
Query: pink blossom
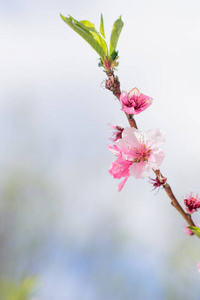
{"points": [[198, 267], [134, 102], [187, 230], [136, 153], [192, 203], [117, 134]]}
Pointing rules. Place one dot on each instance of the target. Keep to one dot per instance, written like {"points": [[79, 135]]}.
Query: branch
{"points": [[113, 84]]}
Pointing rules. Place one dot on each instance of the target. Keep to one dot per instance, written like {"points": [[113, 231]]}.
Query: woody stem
{"points": [[113, 85]]}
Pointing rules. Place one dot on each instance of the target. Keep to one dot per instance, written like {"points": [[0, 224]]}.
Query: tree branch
{"points": [[113, 84]]}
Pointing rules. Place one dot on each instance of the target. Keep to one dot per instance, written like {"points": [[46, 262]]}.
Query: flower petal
{"points": [[129, 110], [124, 98], [157, 159], [155, 137], [130, 139], [133, 94], [142, 103], [198, 267], [139, 170], [121, 185], [114, 149]]}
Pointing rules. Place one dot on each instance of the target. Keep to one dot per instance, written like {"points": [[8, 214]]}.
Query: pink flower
{"points": [[134, 102], [198, 267], [136, 153], [192, 203], [187, 230], [117, 134]]}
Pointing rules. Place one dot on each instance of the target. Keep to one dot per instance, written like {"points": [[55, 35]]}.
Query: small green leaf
{"points": [[102, 27], [90, 26], [195, 230], [117, 28], [87, 24], [87, 31], [114, 55]]}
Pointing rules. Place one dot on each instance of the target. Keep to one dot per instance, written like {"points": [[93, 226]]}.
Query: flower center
{"points": [[142, 153]]}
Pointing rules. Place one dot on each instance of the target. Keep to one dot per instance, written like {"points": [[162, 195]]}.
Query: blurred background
{"points": [[65, 231]]}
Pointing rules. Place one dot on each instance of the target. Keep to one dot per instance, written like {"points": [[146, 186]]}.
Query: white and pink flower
{"points": [[137, 154], [134, 102]]}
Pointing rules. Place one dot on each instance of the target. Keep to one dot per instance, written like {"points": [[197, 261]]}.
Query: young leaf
{"points": [[87, 25], [102, 27], [117, 28], [195, 230], [90, 26], [85, 33]]}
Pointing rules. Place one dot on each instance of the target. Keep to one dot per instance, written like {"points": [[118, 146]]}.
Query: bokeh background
{"points": [[62, 220]]}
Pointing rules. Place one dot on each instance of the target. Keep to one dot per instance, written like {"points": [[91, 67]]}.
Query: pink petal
{"points": [[198, 267], [114, 149], [156, 137], [124, 98], [121, 185], [187, 230], [142, 103], [139, 170], [113, 126], [129, 110], [120, 168], [134, 93], [157, 158], [146, 100], [130, 136]]}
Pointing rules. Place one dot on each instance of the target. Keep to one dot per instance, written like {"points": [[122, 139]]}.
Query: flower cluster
{"points": [[134, 102], [192, 204], [136, 153]]}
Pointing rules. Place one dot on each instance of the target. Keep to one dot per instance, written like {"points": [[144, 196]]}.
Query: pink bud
{"points": [[187, 230], [192, 204]]}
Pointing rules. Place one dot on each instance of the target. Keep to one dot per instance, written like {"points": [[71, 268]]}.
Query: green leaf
{"points": [[10, 290], [195, 230], [90, 26], [117, 28], [26, 287], [102, 27], [87, 25], [87, 31], [114, 55]]}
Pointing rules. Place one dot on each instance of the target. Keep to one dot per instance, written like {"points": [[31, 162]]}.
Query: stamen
{"points": [[143, 153]]}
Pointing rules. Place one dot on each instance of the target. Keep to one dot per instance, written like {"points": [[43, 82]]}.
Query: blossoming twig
{"points": [[137, 160], [112, 79]]}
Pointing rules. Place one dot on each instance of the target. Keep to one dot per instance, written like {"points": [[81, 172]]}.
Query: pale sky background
{"points": [[54, 116]]}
